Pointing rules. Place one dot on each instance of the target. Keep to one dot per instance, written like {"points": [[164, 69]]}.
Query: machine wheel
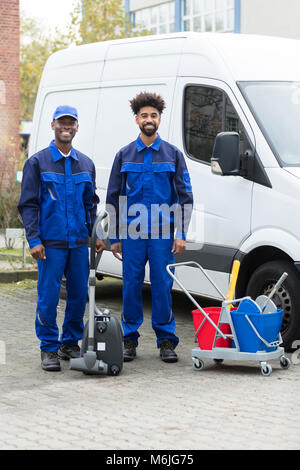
{"points": [[266, 370], [218, 361], [285, 362], [287, 297], [197, 363], [114, 370]]}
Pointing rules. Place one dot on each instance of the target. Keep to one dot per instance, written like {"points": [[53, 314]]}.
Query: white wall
{"points": [[271, 17]]}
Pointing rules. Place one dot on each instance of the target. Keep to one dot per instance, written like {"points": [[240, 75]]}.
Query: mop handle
{"points": [[277, 285]]}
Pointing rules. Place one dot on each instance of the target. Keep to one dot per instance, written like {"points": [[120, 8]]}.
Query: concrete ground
{"points": [[150, 405]]}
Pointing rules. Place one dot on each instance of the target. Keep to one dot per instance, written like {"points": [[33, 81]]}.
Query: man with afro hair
{"points": [[150, 193]]}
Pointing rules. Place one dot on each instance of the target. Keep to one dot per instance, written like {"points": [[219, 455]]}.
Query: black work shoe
{"points": [[50, 361], [167, 352], [129, 350], [67, 352]]}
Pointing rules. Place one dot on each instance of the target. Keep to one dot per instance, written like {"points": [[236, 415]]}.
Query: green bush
{"points": [[9, 198]]}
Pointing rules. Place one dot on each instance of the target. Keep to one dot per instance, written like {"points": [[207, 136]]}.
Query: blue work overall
{"points": [[148, 176], [58, 206]]}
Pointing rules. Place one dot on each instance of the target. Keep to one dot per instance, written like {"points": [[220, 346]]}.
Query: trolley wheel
{"points": [[197, 363], [114, 370], [266, 370], [218, 361], [285, 362]]}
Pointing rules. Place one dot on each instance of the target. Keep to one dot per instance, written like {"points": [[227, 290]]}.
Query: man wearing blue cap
{"points": [[58, 207]]}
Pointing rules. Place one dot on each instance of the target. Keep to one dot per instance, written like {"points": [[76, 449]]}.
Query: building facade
{"points": [[9, 90], [267, 17]]}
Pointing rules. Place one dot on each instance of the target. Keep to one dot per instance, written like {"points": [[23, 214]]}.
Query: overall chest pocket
{"points": [[52, 186], [83, 187], [133, 179], [163, 175]]}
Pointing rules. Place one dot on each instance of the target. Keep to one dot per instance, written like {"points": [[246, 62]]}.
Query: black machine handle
{"points": [[95, 258]]}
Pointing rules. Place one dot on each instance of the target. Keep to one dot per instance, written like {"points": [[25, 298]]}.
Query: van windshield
{"points": [[276, 108]]}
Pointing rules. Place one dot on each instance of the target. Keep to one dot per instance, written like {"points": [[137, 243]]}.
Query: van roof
{"points": [[223, 56]]}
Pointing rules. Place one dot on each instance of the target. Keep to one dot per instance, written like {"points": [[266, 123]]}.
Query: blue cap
{"points": [[65, 111]]}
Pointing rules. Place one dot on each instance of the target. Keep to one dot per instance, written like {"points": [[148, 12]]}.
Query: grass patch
{"points": [[18, 286], [14, 251]]}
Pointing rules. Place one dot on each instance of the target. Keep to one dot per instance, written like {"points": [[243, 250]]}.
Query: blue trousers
{"points": [[135, 254], [74, 264]]}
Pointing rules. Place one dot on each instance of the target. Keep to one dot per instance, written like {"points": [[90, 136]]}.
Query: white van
{"points": [[212, 83]]}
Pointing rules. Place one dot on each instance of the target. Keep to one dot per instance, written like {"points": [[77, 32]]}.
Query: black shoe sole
{"points": [[129, 358], [169, 359], [54, 368]]}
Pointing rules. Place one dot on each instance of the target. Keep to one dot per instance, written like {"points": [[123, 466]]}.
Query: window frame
{"points": [[150, 26], [192, 16]]}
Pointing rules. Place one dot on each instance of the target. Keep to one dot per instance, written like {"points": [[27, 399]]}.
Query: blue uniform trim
{"points": [[158, 167], [187, 180], [135, 167], [58, 201]]}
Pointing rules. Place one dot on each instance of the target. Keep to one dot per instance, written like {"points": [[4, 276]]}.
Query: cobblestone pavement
{"points": [[150, 405]]}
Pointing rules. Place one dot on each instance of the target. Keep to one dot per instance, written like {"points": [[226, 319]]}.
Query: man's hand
{"points": [[116, 249], [178, 246], [100, 245], [38, 252]]}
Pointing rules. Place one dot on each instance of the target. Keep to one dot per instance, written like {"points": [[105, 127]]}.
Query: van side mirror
{"points": [[226, 158]]}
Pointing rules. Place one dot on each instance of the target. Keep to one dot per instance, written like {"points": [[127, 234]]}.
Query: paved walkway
{"points": [[150, 405]]}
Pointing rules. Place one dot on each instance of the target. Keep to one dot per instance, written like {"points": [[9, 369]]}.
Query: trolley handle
{"points": [[191, 263], [94, 259], [194, 263]]}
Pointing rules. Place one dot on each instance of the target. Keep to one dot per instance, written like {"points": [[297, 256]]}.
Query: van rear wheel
{"points": [[286, 298]]}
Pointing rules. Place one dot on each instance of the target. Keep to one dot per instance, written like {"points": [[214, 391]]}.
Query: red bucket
{"points": [[207, 333]]}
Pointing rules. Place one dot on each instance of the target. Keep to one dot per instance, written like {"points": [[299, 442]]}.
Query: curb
{"points": [[16, 276]]}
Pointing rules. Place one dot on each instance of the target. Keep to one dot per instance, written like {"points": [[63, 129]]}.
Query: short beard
{"points": [[148, 133]]}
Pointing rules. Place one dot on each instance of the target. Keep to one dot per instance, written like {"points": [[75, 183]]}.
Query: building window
{"points": [[158, 20], [208, 15], [207, 112]]}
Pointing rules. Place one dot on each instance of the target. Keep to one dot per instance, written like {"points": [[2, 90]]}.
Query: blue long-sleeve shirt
{"points": [[58, 201], [151, 180]]}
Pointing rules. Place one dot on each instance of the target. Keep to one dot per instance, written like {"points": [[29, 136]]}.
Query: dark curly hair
{"points": [[147, 99]]}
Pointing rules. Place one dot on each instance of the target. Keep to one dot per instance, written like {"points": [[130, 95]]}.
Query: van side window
{"points": [[207, 111], [234, 124]]}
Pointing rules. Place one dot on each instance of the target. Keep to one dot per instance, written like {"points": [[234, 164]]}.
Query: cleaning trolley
{"points": [[238, 330]]}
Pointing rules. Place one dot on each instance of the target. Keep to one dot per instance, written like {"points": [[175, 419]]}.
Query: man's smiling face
{"points": [[148, 119], [65, 129]]}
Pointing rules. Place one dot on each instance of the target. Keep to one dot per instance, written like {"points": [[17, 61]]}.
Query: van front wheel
{"points": [[286, 298]]}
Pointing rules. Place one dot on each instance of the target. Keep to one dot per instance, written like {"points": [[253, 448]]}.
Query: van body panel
{"points": [[82, 64], [160, 58], [277, 209]]}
